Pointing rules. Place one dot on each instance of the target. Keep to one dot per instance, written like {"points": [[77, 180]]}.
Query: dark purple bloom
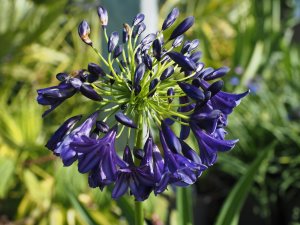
{"points": [[88, 91], [138, 19], [139, 179], [125, 120], [75, 82], [55, 95], [209, 145], [113, 41], [170, 19], [118, 51], [182, 27], [98, 156], [103, 16], [84, 31], [179, 170], [61, 132], [192, 91], [167, 73], [182, 61], [64, 150]]}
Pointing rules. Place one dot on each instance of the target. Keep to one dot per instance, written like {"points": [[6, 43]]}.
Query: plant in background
{"points": [[143, 87]]}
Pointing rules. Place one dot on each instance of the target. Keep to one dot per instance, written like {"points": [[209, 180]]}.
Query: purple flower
{"points": [[64, 149], [210, 145], [61, 132], [139, 179], [179, 170]]}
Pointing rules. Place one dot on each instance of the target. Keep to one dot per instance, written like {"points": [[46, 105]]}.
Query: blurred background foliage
{"points": [[258, 182]]}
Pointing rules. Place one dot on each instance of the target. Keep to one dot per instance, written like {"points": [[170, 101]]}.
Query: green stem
{"points": [[139, 212], [184, 205]]}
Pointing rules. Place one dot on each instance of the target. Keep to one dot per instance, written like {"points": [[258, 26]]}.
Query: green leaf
{"points": [[127, 209], [6, 171], [234, 202], [81, 210]]}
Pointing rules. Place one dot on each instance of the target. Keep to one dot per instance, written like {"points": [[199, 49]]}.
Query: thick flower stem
{"points": [[184, 206], [138, 206]]}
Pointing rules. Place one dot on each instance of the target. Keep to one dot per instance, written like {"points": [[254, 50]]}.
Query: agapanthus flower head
{"points": [[142, 90]]}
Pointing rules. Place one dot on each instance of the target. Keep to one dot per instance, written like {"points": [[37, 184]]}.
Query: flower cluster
{"points": [[155, 86]]}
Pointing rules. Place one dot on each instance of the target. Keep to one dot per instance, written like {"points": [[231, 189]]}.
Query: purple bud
{"points": [[148, 39], [186, 46], [170, 19], [182, 61], [138, 57], [118, 51], [199, 67], [138, 30], [196, 82], [152, 85], [103, 16], [215, 87], [138, 19], [125, 35], [92, 78], [170, 92], [167, 73], [84, 31], [156, 46], [94, 68], [178, 41], [62, 76], [125, 120], [192, 91], [88, 91], [102, 127], [113, 41], [182, 27], [139, 73], [196, 56], [148, 61], [206, 72], [194, 44], [217, 73]]}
